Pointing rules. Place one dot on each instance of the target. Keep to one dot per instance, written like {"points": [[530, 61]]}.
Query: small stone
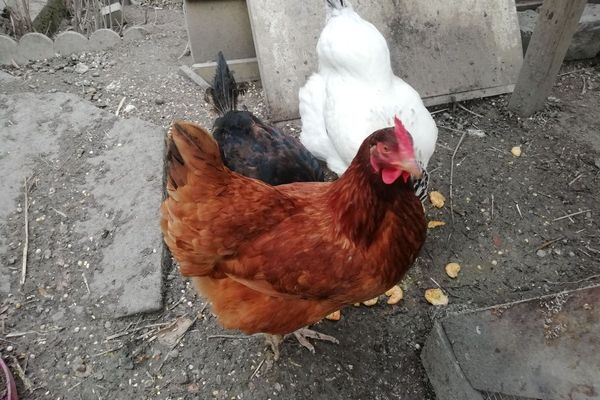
{"points": [[99, 376], [47, 254], [181, 379], [174, 353], [76, 329], [107, 324], [95, 74], [193, 388], [541, 253], [9, 348], [38, 251], [12, 260], [159, 101], [278, 386], [81, 68], [129, 108]]}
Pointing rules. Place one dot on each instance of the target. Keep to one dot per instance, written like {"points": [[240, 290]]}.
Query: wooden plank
{"points": [[244, 70], [528, 4], [439, 48], [556, 24]]}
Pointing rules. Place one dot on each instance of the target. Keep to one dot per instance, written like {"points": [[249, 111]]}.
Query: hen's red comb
{"points": [[405, 141]]}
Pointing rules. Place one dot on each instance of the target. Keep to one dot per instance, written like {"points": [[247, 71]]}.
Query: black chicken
{"points": [[251, 147]]}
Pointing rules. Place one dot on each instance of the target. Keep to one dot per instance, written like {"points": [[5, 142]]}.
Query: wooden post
{"points": [[549, 43]]}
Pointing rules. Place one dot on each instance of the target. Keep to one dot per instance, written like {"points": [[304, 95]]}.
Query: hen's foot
{"points": [[274, 341], [303, 334]]}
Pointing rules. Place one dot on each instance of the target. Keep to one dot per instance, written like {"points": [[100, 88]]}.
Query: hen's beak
{"points": [[412, 167]]}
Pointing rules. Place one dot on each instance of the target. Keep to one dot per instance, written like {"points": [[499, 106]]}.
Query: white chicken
{"points": [[355, 92]]}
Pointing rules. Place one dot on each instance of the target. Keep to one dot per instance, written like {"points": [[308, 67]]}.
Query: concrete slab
{"points": [[218, 25], [545, 348], [106, 175], [469, 51]]}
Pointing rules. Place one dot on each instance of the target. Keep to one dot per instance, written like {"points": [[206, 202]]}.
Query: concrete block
{"points": [[70, 42], [104, 39], [215, 25], [586, 41], [111, 194], [438, 49], [544, 348], [8, 50], [35, 46], [135, 33], [443, 370], [245, 70]]}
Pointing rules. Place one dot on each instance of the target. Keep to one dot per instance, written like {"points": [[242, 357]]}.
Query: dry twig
{"points": [[570, 215], [119, 107], [452, 175], [548, 243], [26, 228], [469, 111], [21, 374], [256, 370]]}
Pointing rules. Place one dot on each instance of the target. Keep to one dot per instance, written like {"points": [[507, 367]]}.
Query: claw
{"points": [[274, 341], [303, 334]]}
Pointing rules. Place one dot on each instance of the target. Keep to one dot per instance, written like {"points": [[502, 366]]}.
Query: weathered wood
{"points": [[549, 43]]}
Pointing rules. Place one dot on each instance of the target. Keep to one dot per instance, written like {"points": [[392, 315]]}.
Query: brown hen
{"points": [[276, 259]]}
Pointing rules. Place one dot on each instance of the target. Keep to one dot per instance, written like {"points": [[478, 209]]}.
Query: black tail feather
{"points": [[339, 4], [224, 91]]}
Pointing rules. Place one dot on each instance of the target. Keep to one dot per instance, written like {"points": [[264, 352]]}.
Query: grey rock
{"points": [[12, 260], [541, 253], [8, 50], [35, 46], [585, 42], [135, 33], [81, 68], [67, 43], [103, 39]]}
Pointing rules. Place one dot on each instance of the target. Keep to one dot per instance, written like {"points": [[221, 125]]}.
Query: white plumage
{"points": [[355, 93]]}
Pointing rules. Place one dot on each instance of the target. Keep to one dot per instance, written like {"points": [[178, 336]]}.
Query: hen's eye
{"points": [[385, 148]]}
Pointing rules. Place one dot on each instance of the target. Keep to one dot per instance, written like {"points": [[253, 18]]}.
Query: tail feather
{"points": [[224, 91], [191, 151], [337, 4]]}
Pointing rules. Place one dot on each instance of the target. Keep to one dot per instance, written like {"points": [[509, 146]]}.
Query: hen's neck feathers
{"points": [[360, 200]]}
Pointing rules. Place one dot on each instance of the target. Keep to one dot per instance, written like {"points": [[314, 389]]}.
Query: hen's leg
{"points": [[303, 334], [274, 341]]}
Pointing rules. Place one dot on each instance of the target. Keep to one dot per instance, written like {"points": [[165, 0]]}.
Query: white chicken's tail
{"points": [[335, 6]]}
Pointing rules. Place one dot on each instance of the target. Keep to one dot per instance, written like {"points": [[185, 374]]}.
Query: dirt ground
{"points": [[522, 227]]}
